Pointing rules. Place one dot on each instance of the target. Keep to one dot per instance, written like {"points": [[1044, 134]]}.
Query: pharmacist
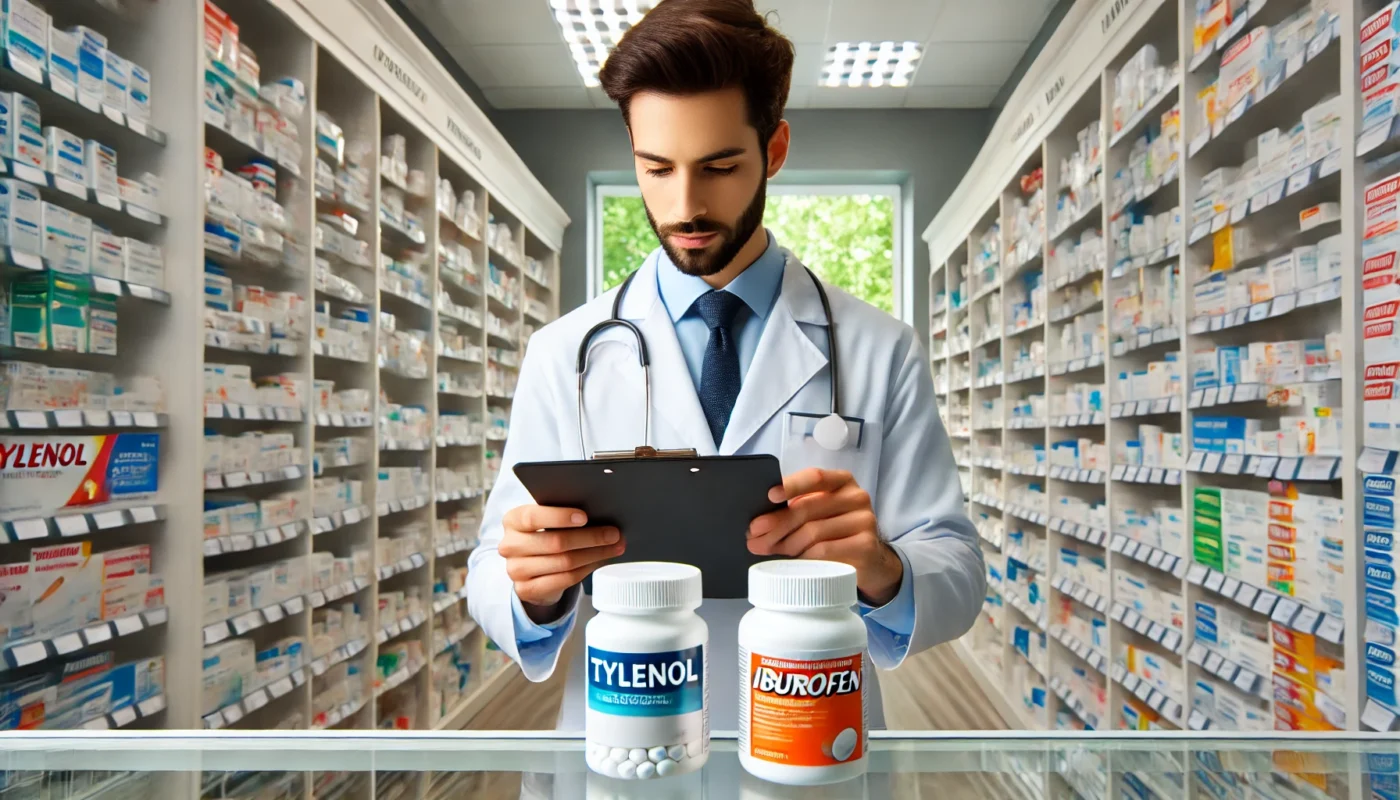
{"points": [[738, 340]]}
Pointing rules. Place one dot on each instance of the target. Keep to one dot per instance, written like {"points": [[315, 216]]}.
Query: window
{"points": [[847, 235]]}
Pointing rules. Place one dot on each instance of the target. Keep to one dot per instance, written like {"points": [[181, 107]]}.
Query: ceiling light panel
{"points": [[873, 64], [592, 28]]}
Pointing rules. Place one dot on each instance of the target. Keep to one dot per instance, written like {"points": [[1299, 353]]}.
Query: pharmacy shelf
{"points": [[243, 479], [126, 715], [1076, 365], [36, 651], [456, 637], [412, 562], [343, 653], [1075, 705], [1283, 610], [397, 679], [1078, 530], [1164, 635], [339, 519], [472, 704], [96, 520], [1080, 594], [1146, 408], [1325, 469], [234, 712], [1146, 554], [252, 620], [340, 714], [243, 542], [252, 413], [448, 600], [1244, 679], [1161, 476], [400, 626], [1163, 703], [1086, 653], [1076, 475], [1036, 618], [399, 506], [1038, 471], [76, 419], [1159, 257], [1012, 712]]}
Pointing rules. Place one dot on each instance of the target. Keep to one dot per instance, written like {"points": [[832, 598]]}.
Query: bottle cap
{"points": [[802, 585], [646, 586]]}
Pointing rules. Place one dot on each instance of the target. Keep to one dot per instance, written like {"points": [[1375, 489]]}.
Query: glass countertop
{"points": [[405, 765]]}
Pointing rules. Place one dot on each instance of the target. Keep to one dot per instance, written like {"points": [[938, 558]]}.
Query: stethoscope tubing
{"points": [[615, 320]]}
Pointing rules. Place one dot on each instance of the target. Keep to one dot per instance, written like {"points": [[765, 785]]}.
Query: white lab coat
{"points": [[905, 461]]}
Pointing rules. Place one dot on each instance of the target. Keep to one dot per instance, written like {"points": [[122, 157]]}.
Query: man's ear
{"points": [[778, 145]]}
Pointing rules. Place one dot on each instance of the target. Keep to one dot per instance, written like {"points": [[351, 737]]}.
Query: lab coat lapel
{"points": [[784, 361], [673, 397]]}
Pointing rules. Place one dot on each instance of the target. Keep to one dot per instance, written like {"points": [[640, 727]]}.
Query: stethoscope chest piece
{"points": [[831, 432]]}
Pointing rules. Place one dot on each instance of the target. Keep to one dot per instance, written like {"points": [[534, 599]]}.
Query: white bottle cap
{"points": [[802, 585], [643, 586]]}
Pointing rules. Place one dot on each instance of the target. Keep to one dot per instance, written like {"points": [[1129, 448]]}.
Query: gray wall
{"points": [[1047, 29], [929, 149]]}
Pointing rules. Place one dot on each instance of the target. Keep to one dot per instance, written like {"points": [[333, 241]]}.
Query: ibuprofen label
{"points": [[646, 684], [807, 712]]}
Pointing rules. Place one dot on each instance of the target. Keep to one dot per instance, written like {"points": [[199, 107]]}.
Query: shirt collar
{"points": [[757, 286]]}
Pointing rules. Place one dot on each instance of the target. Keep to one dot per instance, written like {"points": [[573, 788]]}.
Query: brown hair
{"points": [[691, 46]]}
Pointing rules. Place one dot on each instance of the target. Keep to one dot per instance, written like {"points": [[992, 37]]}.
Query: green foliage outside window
{"points": [[846, 239]]}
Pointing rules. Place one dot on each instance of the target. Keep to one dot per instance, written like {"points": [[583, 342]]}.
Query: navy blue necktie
{"points": [[719, 375]]}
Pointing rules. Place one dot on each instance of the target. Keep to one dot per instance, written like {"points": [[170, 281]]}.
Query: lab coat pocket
{"points": [[860, 456]]}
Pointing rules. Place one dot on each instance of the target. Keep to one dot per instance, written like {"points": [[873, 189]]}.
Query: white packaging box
{"points": [[21, 217], [26, 30], [1320, 214], [1380, 343], [65, 155], [92, 65], [63, 62], [1381, 204], [229, 670], [138, 99], [21, 131], [15, 616], [215, 600], [67, 239], [65, 588], [100, 163], [1383, 23], [115, 76], [143, 264], [108, 250]]}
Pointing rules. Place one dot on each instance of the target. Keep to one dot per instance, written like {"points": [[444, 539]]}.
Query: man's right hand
{"points": [[548, 550]]}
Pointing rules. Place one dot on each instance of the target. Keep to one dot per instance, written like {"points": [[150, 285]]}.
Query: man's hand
{"points": [[548, 550], [829, 518]]}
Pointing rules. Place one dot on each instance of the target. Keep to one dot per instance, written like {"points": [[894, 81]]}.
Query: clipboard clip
{"points": [[645, 451]]}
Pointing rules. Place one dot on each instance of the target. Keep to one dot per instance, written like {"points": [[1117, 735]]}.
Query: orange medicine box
{"points": [[1310, 702], [1302, 646]]}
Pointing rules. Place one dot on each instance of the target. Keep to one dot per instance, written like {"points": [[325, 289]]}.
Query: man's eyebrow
{"points": [[715, 156]]}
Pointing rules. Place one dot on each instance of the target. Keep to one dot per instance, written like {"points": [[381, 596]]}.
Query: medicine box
{"points": [[138, 99], [64, 588], [16, 620], [143, 263], [65, 155], [100, 167], [114, 78], [67, 240], [21, 217], [42, 475], [108, 253], [26, 30], [92, 65], [21, 131], [63, 62]]}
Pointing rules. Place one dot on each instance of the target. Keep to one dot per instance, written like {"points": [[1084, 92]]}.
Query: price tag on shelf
{"points": [[1212, 462], [1214, 581], [1264, 466], [1213, 662], [1246, 680], [1130, 474], [1131, 548], [1284, 611], [127, 625], [1317, 468], [1331, 629], [1197, 574], [1157, 475], [1197, 398], [1155, 559], [1307, 620], [281, 687], [97, 634], [151, 705], [67, 643], [1232, 464], [1211, 396], [1118, 471], [1287, 469], [256, 700], [1171, 640], [1266, 602]]}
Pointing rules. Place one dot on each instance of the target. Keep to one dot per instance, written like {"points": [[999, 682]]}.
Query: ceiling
{"points": [[513, 49]]}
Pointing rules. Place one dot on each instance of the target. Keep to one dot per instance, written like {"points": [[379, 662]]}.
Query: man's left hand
{"points": [[829, 517]]}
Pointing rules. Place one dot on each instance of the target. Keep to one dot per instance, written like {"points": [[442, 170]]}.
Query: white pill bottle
{"points": [[802, 673], [648, 676]]}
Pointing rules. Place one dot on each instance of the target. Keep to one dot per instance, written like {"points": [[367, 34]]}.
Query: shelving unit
{"points": [[1128, 253], [350, 361]]}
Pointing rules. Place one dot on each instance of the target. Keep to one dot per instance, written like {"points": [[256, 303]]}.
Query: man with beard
{"points": [[738, 342]]}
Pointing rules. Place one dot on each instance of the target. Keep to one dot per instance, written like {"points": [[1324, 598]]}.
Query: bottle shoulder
{"points": [[640, 633], [786, 630]]}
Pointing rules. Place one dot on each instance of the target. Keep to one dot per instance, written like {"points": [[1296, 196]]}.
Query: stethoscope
{"points": [[830, 432]]}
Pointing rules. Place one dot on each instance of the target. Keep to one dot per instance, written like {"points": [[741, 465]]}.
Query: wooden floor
{"points": [[930, 691]]}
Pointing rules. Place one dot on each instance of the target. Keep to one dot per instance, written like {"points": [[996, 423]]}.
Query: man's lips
{"points": [[692, 241]]}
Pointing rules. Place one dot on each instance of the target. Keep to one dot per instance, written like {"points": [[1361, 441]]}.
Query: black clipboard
{"points": [[692, 510]]}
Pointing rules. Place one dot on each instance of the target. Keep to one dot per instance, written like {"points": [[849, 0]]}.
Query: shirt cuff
{"points": [[529, 633], [896, 616]]}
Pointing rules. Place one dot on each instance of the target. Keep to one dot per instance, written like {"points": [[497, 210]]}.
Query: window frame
{"points": [[903, 276]]}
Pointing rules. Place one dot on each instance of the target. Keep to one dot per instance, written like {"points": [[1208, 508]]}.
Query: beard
{"points": [[711, 259]]}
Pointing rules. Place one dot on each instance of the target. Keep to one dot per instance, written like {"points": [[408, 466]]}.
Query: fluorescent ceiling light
{"points": [[592, 28], [873, 64]]}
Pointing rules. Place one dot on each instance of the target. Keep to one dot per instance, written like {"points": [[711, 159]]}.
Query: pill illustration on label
{"points": [[844, 746]]}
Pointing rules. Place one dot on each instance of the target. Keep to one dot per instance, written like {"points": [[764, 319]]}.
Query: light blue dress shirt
{"points": [[758, 287]]}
